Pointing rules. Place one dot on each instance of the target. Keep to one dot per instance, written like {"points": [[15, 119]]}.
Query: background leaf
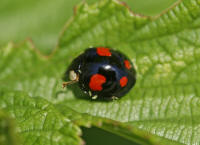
{"points": [[8, 135], [39, 123], [42, 20]]}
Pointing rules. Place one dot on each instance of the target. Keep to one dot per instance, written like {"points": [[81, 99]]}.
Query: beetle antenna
{"points": [[69, 83]]}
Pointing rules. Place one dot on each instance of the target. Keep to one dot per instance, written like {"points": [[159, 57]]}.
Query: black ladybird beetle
{"points": [[102, 73]]}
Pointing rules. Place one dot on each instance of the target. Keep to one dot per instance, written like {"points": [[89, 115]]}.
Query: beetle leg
{"points": [[114, 98]]}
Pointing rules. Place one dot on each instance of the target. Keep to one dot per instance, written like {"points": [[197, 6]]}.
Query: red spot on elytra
{"points": [[127, 64], [123, 81], [96, 82], [103, 51]]}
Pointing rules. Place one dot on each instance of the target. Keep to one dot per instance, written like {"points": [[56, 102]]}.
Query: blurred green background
{"points": [[43, 20]]}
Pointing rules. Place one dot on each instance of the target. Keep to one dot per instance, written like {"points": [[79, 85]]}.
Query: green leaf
{"points": [[8, 135], [123, 129], [23, 68], [28, 81], [39, 122], [165, 50]]}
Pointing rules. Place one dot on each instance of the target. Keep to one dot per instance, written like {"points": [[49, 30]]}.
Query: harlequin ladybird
{"points": [[102, 73]]}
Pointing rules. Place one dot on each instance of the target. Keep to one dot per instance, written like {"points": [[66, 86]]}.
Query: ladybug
{"points": [[102, 73]]}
